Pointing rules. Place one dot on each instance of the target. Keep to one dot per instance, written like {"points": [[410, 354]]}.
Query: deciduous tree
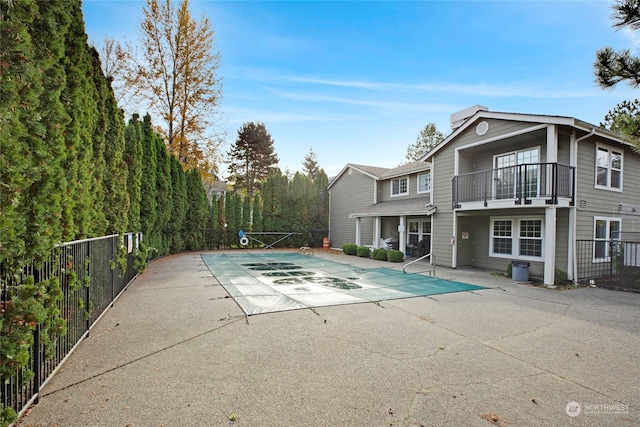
{"points": [[178, 74]]}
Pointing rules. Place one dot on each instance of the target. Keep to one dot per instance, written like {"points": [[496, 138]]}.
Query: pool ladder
{"points": [[431, 272]]}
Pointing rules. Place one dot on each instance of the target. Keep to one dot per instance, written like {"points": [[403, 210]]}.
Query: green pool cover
{"points": [[270, 282]]}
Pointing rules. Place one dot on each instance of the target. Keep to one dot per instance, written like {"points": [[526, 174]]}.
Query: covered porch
{"points": [[407, 221]]}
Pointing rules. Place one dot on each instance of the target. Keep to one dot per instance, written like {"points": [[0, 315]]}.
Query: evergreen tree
{"points": [[148, 190], [79, 97], [163, 195], [257, 214], [32, 126], [252, 157], [426, 140], [274, 201], [197, 211], [246, 213], [612, 67], [179, 204], [133, 158], [310, 165], [117, 200]]}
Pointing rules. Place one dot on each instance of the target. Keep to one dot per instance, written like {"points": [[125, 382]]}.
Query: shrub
{"points": [[510, 270], [395, 255], [379, 254], [350, 248], [559, 276], [364, 251]]}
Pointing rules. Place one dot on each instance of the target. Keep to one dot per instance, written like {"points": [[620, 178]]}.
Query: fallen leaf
{"points": [[494, 419]]}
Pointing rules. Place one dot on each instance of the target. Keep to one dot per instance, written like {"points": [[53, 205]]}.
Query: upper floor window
{"points": [[608, 168], [424, 182], [400, 186]]}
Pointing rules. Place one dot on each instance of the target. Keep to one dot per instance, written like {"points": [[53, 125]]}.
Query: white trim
{"points": [[609, 220], [500, 137], [609, 149], [515, 237], [418, 182], [406, 193]]}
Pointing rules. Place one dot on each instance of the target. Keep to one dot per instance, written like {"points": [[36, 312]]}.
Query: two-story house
{"points": [[511, 187], [370, 204]]}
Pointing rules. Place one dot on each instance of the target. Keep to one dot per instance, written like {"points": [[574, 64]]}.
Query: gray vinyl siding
{"points": [[442, 220], [592, 202], [481, 228], [384, 188], [562, 239], [350, 194]]}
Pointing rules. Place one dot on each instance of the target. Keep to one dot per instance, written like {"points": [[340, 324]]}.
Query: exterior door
{"points": [[464, 240]]}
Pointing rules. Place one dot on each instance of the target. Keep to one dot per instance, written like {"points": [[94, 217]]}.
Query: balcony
{"points": [[535, 184]]}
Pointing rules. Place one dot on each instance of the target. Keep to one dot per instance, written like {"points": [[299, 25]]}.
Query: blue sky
{"points": [[356, 81]]}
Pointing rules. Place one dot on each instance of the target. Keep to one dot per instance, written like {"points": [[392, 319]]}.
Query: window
{"points": [[531, 238], [516, 174], [424, 182], [605, 232], [608, 168], [519, 238], [400, 186]]}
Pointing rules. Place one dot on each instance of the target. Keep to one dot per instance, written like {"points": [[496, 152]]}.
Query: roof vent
{"points": [[457, 119]]}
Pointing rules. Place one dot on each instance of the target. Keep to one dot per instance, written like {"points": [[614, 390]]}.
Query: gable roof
{"points": [[378, 173], [533, 118]]}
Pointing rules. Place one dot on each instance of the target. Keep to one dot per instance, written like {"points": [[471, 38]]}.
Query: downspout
{"points": [[574, 244]]}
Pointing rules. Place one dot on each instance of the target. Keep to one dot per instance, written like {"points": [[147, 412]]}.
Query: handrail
{"points": [[419, 259]]}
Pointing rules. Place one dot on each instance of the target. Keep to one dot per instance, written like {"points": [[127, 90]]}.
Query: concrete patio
{"points": [[176, 350]]}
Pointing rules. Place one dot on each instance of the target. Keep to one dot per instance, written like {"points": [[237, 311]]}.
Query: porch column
{"points": [[402, 240], [549, 245], [358, 231], [376, 232], [552, 154]]}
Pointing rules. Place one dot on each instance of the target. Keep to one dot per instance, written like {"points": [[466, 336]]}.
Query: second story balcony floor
{"points": [[529, 184]]}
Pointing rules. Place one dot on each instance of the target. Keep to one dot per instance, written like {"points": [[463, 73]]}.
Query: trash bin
{"points": [[520, 271]]}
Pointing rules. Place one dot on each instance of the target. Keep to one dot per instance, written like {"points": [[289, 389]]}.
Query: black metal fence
{"points": [[90, 278], [520, 183], [609, 263]]}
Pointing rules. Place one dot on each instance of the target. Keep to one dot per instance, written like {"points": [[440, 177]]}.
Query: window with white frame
{"points": [[605, 232], [400, 186], [519, 238], [608, 168], [424, 182]]}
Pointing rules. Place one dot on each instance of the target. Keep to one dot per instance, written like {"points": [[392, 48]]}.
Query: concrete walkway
{"points": [[175, 350]]}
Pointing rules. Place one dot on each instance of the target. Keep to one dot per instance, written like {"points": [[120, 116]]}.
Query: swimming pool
{"points": [[271, 282]]}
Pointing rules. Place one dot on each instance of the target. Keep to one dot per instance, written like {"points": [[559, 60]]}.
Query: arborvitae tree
{"points": [[299, 203], [133, 158], [257, 214], [213, 229], [98, 221], [274, 201], [117, 199], [197, 211], [320, 208], [79, 97], [148, 189], [163, 195], [32, 126], [179, 204], [233, 217], [246, 213], [310, 165], [252, 157]]}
